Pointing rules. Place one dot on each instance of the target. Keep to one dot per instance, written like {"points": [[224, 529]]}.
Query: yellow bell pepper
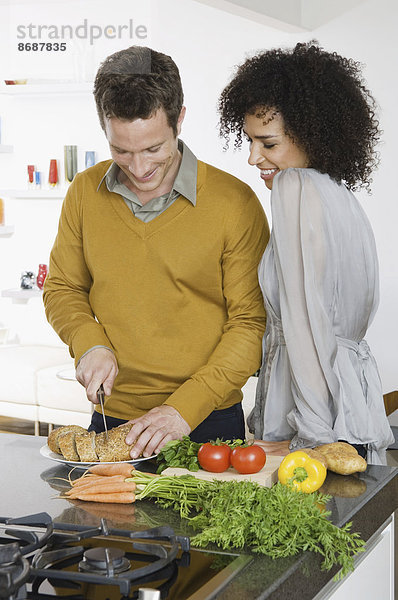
{"points": [[302, 472]]}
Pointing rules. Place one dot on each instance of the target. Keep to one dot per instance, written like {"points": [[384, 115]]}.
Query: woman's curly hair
{"points": [[326, 107]]}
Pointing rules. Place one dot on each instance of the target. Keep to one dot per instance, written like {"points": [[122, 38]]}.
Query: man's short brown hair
{"points": [[136, 82]]}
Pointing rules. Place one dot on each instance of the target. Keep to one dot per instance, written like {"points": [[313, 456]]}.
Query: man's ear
{"points": [[181, 119]]}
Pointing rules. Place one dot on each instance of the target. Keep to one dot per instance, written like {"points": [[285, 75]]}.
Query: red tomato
{"points": [[215, 459], [249, 459]]}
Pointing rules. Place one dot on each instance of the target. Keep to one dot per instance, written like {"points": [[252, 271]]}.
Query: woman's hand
{"points": [[278, 448]]}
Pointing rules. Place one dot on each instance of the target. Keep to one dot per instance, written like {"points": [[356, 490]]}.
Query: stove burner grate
{"points": [[21, 542], [31, 553], [46, 562], [104, 561]]}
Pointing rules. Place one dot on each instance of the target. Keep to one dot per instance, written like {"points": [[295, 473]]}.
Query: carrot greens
{"points": [[277, 521]]}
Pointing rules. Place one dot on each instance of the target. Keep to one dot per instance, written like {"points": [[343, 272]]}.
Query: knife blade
{"points": [[101, 398]]}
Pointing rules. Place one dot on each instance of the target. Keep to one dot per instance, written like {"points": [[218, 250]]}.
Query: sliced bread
{"points": [[53, 438], [85, 446], [113, 449], [67, 444]]}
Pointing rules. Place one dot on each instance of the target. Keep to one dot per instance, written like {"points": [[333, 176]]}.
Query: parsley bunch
{"points": [[277, 521]]}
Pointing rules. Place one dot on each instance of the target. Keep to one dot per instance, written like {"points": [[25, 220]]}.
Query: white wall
{"points": [[206, 43]]}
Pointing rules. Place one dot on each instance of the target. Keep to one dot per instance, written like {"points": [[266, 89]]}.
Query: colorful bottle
{"points": [[70, 157], [41, 276], [89, 158], [31, 174], [53, 173]]}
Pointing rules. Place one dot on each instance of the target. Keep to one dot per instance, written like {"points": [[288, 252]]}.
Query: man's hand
{"points": [[96, 367], [152, 431], [278, 448]]}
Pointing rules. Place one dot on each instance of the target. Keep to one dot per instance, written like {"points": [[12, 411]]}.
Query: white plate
{"points": [[46, 452]]}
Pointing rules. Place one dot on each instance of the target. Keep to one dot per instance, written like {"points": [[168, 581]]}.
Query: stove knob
{"points": [[148, 594]]}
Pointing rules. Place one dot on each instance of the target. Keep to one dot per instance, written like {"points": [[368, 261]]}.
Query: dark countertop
{"points": [[30, 484]]}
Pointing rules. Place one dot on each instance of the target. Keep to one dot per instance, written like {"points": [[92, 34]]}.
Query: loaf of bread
{"points": [[53, 438], [77, 444], [113, 448]]}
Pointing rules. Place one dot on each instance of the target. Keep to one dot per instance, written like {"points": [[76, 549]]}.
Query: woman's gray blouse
{"points": [[319, 382]]}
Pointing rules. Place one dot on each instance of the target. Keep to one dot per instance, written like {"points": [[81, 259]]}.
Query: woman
{"points": [[312, 130]]}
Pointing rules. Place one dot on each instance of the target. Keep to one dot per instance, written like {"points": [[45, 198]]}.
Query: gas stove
{"points": [[40, 559]]}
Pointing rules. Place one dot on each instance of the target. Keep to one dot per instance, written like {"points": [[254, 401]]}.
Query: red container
{"points": [[53, 173], [31, 171], [41, 276]]}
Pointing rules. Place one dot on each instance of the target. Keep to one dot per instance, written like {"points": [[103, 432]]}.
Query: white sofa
{"points": [[31, 387]]}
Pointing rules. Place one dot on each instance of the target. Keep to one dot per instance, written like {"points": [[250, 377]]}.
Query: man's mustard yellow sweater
{"points": [[177, 299]]}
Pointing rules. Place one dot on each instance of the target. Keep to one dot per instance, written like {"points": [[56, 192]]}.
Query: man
{"points": [[153, 274]]}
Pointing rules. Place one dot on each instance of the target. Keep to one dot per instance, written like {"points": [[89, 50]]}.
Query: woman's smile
{"points": [[271, 149]]}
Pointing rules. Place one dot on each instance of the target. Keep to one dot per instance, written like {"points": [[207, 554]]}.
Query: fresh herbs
{"points": [[277, 521], [184, 453], [179, 453]]}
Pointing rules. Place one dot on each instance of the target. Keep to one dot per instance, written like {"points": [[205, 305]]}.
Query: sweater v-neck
{"points": [[146, 230], [140, 228]]}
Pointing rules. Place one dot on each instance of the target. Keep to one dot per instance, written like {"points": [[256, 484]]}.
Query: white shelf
{"points": [[57, 193], [6, 149], [20, 296], [6, 230], [29, 89]]}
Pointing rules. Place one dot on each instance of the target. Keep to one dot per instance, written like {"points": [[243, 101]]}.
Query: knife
{"points": [[101, 398]]}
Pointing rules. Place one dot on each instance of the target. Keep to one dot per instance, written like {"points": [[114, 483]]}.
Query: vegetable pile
{"points": [[104, 483], [278, 521], [215, 457]]}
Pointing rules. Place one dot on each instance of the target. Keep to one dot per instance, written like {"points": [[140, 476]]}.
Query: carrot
{"points": [[114, 469], [117, 498], [98, 479], [86, 480], [85, 475], [71, 481], [99, 489]]}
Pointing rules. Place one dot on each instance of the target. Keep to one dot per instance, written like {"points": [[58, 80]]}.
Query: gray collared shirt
{"points": [[184, 185]]}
